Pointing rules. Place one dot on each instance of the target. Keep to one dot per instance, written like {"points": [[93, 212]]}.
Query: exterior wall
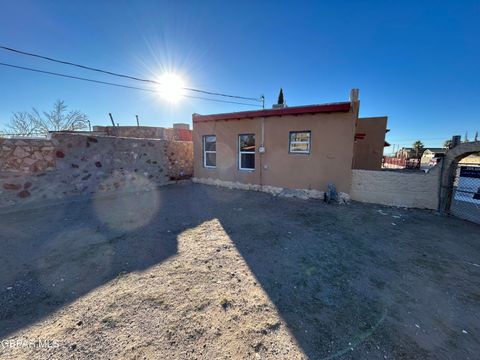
{"points": [[90, 165], [330, 159], [26, 156], [368, 152], [409, 189], [181, 133]]}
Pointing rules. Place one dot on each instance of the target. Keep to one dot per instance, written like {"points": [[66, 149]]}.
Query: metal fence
{"points": [[465, 202], [400, 163]]}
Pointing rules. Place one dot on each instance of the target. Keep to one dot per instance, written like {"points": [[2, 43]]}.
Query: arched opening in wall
{"points": [[461, 180], [465, 200]]}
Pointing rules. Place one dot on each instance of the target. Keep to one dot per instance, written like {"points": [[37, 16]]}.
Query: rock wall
{"points": [[395, 188], [90, 165], [26, 155], [147, 132]]}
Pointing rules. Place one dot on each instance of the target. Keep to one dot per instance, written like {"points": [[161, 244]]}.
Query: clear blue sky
{"points": [[416, 61]]}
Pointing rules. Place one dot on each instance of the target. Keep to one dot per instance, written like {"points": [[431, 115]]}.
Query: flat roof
{"points": [[294, 110]]}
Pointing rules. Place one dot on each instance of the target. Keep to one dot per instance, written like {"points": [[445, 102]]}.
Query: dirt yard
{"points": [[198, 272]]}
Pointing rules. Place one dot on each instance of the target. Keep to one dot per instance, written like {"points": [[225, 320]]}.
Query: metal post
{"points": [[138, 123], [111, 118]]}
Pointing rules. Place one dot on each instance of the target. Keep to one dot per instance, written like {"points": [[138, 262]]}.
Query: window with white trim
{"points": [[246, 152], [210, 151], [300, 142]]}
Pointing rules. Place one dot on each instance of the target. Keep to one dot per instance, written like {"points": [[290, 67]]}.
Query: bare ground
{"points": [[193, 271]]}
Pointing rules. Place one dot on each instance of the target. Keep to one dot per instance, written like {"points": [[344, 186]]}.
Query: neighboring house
{"points": [[473, 159], [302, 147], [369, 143], [405, 153], [430, 154]]}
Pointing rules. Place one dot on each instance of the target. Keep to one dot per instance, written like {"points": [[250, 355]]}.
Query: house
{"points": [[405, 153], [430, 153], [301, 147], [369, 143]]}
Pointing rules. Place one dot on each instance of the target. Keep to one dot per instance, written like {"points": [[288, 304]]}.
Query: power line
{"points": [[122, 75], [119, 85]]}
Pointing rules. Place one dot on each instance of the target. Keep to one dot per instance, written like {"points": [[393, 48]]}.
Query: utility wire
{"points": [[118, 85], [122, 75]]}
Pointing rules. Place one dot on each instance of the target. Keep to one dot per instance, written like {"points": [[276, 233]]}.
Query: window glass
{"points": [[211, 159], [247, 161], [247, 142], [246, 157], [210, 143], [210, 151], [300, 142]]}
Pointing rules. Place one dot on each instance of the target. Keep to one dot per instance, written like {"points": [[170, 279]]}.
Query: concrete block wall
{"points": [[395, 188], [90, 165]]}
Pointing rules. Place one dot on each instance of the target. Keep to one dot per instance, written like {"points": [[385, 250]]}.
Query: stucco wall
{"points": [[26, 156], [368, 152], [89, 165], [409, 189], [330, 159]]}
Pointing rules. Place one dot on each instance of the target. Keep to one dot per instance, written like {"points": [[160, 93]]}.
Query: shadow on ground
{"points": [[348, 281]]}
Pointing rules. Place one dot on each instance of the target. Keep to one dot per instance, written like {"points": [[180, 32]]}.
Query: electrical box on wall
{"points": [[261, 149]]}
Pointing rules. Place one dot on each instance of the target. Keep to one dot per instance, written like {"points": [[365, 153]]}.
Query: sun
{"points": [[171, 87]]}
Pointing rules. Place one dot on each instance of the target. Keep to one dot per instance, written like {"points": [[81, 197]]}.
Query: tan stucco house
{"points": [[301, 147], [370, 143]]}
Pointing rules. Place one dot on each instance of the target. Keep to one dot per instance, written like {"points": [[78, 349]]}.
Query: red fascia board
{"points": [[298, 110]]}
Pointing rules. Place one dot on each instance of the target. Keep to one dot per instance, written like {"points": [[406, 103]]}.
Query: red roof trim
{"points": [[297, 110]]}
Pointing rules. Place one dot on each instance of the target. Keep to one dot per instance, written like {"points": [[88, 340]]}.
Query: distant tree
{"points": [[417, 146], [23, 123], [447, 144], [280, 100], [36, 123]]}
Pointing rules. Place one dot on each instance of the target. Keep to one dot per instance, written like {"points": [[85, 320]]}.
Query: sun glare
{"points": [[171, 87]]}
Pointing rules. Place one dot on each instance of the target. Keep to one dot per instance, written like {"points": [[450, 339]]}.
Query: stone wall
{"points": [[90, 165], [146, 132], [396, 188], [26, 155]]}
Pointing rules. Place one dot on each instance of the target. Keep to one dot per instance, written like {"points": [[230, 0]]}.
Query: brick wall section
{"points": [[89, 165], [26, 155], [417, 190]]}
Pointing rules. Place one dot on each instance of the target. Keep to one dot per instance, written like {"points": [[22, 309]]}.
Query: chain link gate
{"points": [[465, 202]]}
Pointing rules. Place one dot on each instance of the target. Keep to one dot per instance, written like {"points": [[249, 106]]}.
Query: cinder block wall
{"points": [[89, 165], [417, 190]]}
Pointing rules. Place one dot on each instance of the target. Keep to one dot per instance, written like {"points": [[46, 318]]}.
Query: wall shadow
{"points": [[53, 255]]}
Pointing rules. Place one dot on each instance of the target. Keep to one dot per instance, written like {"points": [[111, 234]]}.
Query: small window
{"points": [[210, 151], [300, 142], [246, 156]]}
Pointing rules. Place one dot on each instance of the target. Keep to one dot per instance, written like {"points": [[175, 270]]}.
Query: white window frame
{"points": [[240, 153], [290, 142], [205, 152]]}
